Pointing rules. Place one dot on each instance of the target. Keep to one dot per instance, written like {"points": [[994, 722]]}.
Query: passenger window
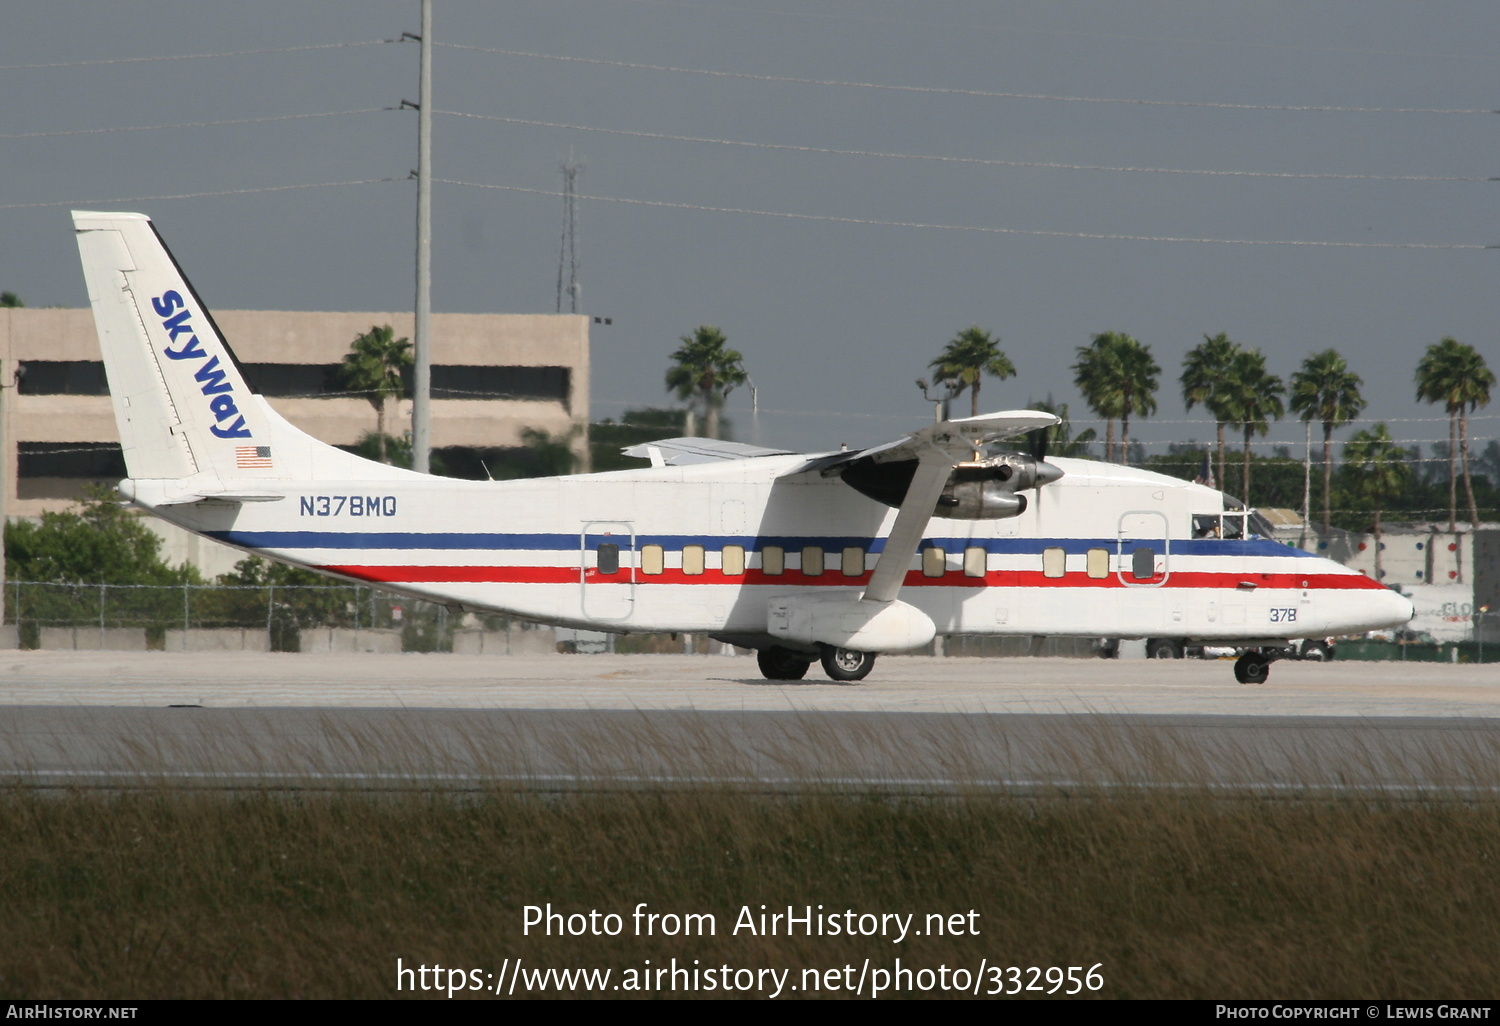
{"points": [[732, 560], [692, 559], [1054, 562], [653, 559], [934, 562], [812, 561], [773, 560], [609, 558], [853, 563], [1143, 564], [974, 560], [1098, 563]]}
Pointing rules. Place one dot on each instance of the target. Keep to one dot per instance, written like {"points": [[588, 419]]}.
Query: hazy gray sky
{"points": [[891, 137]]}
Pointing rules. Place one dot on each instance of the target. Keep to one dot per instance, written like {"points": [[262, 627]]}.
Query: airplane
{"points": [[833, 557]]}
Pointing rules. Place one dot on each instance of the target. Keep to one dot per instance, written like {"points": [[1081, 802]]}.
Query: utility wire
{"points": [[188, 124], [977, 228], [192, 56], [199, 195], [1047, 165], [988, 94]]}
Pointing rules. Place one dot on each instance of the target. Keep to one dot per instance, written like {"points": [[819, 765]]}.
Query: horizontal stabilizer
{"points": [[222, 497]]}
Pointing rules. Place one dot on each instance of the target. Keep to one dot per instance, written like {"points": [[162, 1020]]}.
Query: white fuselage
{"points": [[1106, 551]]}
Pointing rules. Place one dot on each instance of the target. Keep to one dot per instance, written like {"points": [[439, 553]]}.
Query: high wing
{"points": [[954, 437], [680, 452], [938, 449], [958, 439], [935, 470]]}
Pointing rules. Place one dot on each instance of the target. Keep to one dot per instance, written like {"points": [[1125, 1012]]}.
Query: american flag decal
{"points": [[252, 457]]}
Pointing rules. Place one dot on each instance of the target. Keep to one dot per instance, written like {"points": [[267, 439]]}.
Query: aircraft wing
{"points": [[936, 449], [960, 438], [680, 452]]}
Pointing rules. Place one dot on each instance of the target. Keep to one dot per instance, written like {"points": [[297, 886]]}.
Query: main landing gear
{"points": [[847, 664], [840, 664], [782, 664]]}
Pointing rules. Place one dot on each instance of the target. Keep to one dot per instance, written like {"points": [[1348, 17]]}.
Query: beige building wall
{"points": [[300, 337]]}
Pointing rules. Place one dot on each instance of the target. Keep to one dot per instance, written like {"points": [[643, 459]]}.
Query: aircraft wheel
{"points": [[847, 664], [1163, 648], [1252, 668], [1316, 651], [780, 664]]}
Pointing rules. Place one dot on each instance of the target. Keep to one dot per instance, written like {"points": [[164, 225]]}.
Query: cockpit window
{"points": [[1228, 525]]}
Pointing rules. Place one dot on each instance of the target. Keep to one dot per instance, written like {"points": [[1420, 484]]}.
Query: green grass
{"points": [[170, 893]]}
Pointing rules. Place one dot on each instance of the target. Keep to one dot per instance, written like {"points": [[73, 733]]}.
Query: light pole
{"points": [[941, 402], [421, 407], [754, 410]]}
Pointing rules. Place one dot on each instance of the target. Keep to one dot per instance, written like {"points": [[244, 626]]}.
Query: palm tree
{"points": [[1252, 398], [1456, 375], [1098, 379], [705, 372], [1205, 375], [1117, 377], [1377, 469], [1057, 440], [372, 367], [1138, 383], [971, 355], [1326, 390]]}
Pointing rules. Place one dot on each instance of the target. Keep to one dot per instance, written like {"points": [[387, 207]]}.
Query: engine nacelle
{"points": [[979, 490], [979, 500], [986, 489]]}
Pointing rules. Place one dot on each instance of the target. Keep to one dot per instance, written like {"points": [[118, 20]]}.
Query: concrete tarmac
{"points": [[566, 722]]}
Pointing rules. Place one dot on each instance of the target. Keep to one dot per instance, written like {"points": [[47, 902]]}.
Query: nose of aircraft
{"points": [[1397, 608], [1046, 472]]}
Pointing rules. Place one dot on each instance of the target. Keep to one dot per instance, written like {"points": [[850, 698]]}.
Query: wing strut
{"points": [[933, 467]]}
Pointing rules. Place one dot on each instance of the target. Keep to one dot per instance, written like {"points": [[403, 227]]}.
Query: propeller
{"points": [[1037, 442]]}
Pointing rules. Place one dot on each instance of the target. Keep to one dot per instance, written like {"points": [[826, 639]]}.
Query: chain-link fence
{"points": [[283, 612]]}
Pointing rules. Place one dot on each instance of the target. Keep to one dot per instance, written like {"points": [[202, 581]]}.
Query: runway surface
{"points": [[566, 722]]}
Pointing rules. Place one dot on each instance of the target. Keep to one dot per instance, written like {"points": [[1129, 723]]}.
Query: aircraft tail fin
{"points": [[181, 403]]}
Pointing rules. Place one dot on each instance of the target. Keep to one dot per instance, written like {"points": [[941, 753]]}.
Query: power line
{"points": [[188, 124], [200, 195], [983, 93], [192, 56], [976, 228], [1045, 165]]}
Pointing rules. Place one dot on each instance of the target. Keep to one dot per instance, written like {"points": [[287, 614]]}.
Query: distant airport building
{"points": [[493, 376], [1452, 578]]}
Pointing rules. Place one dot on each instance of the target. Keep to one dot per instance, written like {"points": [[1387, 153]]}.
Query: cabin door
{"points": [[1143, 549], [607, 569], [1142, 565]]}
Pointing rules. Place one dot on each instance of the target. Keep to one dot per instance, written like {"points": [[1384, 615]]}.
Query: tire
{"points": [[781, 664], [1315, 651], [847, 664], [1252, 668], [1163, 648]]}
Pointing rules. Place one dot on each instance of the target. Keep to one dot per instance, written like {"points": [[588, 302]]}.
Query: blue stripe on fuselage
{"points": [[487, 542]]}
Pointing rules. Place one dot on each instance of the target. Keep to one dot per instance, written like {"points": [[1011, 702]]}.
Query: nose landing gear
{"points": [[1254, 667]]}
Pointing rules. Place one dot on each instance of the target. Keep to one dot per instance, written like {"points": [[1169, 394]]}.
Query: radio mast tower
{"points": [[567, 256]]}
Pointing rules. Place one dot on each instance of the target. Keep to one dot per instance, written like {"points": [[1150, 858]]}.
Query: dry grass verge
{"points": [[166, 893]]}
